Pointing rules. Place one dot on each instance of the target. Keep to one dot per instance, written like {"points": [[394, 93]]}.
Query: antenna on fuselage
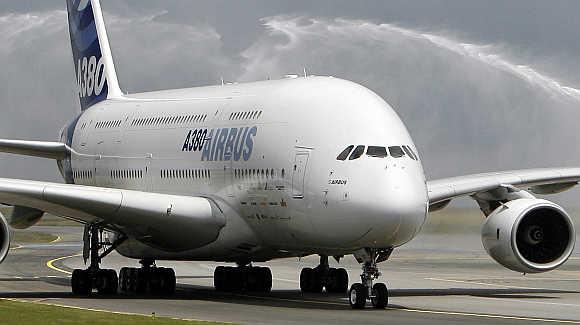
{"points": [[305, 74]]}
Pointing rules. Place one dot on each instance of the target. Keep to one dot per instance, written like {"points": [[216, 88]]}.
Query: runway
{"points": [[435, 279]]}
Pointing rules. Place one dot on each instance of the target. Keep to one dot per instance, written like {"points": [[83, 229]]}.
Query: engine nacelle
{"points": [[4, 238], [529, 235]]}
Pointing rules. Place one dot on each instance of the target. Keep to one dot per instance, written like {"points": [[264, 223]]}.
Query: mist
{"points": [[470, 107]]}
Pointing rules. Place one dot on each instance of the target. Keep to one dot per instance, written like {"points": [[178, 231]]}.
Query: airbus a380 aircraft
{"points": [[251, 172]]}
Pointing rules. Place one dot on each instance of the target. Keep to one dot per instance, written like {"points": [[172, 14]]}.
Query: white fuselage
{"points": [[266, 152]]}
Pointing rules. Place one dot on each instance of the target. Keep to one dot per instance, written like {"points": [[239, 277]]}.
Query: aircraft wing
{"points": [[166, 221], [43, 149], [539, 181]]}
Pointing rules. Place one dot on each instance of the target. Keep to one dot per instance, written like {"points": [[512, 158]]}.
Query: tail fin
{"points": [[95, 71]]}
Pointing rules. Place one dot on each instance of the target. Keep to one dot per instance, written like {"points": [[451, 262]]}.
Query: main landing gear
{"points": [[105, 281], [377, 293], [243, 278], [323, 277], [147, 279]]}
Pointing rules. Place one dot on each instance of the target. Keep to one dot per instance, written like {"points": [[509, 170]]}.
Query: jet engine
{"points": [[4, 238], [529, 235]]}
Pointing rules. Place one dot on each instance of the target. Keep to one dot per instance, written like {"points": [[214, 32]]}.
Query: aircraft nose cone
{"points": [[408, 201]]}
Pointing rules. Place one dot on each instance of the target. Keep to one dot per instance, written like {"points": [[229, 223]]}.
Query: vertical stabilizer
{"points": [[94, 67]]}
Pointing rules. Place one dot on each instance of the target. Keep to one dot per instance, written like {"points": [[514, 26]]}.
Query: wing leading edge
{"points": [[539, 181], [168, 222]]}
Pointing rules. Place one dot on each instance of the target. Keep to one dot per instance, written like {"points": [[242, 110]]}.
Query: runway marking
{"points": [[409, 310], [536, 302], [451, 313], [17, 247], [425, 311], [486, 284], [50, 264], [39, 302], [286, 280], [56, 240]]}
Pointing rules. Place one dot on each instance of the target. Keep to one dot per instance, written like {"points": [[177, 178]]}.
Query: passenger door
{"points": [[299, 174]]}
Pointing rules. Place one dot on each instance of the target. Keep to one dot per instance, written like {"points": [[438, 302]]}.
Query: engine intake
{"points": [[4, 238], [529, 235]]}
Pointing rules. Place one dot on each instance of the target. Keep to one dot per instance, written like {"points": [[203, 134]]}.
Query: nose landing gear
{"points": [[377, 293]]}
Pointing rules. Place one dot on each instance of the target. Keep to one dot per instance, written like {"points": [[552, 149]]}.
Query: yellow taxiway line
{"points": [[50, 264]]}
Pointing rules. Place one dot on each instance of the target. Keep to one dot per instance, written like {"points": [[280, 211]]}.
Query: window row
{"points": [[251, 115], [351, 152], [186, 173], [78, 174], [262, 173], [164, 120], [126, 174], [108, 124]]}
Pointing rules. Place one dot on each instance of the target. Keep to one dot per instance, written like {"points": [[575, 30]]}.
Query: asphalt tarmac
{"points": [[435, 279]]}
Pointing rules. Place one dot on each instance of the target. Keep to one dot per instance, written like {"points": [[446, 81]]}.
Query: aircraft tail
{"points": [[95, 70]]}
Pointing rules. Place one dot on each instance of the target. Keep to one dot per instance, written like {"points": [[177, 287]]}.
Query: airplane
{"points": [[251, 172]]}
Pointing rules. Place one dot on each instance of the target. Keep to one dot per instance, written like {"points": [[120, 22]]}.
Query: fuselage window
{"points": [[344, 154], [357, 152], [378, 152], [408, 152], [396, 152]]}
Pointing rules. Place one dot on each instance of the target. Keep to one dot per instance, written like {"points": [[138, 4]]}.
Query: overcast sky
{"points": [[481, 85]]}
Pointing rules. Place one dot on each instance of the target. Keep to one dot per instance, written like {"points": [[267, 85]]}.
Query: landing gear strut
{"points": [[378, 293], [105, 281], [323, 277], [243, 278]]}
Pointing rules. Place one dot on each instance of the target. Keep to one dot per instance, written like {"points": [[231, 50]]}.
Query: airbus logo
{"points": [[222, 144]]}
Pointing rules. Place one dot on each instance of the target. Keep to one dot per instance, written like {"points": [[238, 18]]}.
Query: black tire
{"points": [[331, 283], [155, 281], [141, 281], [266, 276], [306, 280], [132, 280], [113, 286], [253, 279], [124, 279], [234, 279], [357, 296], [81, 283], [219, 278], [380, 298], [316, 284], [341, 278], [107, 282], [170, 281]]}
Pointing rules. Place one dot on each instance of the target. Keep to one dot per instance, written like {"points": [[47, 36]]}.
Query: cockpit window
{"points": [[378, 152], [396, 152], [344, 154], [358, 151], [410, 152]]}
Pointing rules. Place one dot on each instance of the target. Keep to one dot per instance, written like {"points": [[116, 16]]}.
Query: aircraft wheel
{"points": [[306, 279], [380, 298], [107, 282], [169, 281], [341, 277], [81, 282], [357, 296]]}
